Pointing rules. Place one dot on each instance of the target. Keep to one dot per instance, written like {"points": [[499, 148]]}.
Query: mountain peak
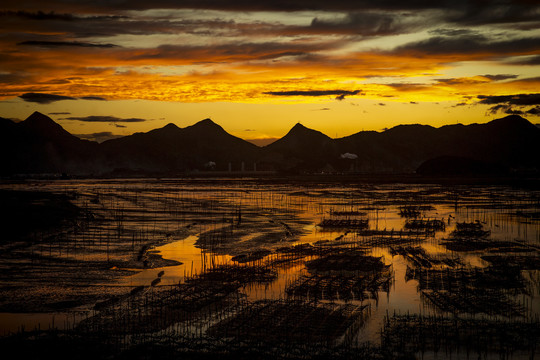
{"points": [[171, 126], [301, 130], [511, 119], [206, 125], [299, 126], [512, 122], [301, 139], [38, 117], [43, 124]]}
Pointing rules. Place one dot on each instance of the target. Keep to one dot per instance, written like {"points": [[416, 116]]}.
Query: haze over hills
{"points": [[39, 145]]}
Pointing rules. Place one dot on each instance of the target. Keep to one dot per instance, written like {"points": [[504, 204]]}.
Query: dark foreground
{"points": [[252, 268]]}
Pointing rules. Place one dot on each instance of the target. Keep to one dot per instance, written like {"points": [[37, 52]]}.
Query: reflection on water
{"points": [[471, 253]]}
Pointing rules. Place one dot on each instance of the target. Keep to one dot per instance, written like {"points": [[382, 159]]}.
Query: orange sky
{"points": [[257, 69]]}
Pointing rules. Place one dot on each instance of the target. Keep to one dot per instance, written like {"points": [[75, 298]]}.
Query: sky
{"points": [[109, 68]]}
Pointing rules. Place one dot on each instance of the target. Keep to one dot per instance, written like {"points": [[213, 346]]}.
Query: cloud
{"points": [[518, 99], [512, 104], [500, 77], [528, 60], [413, 102], [476, 79], [340, 93], [461, 11], [99, 98], [451, 32], [535, 111], [59, 113], [494, 12], [408, 86], [52, 44], [40, 15], [367, 23], [99, 136], [241, 51], [469, 44], [99, 118], [529, 80], [459, 81], [41, 98]]}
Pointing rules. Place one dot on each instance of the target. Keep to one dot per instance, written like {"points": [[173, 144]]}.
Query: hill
{"points": [[509, 144]]}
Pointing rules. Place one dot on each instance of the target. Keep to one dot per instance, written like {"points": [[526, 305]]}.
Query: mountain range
{"points": [[40, 145]]}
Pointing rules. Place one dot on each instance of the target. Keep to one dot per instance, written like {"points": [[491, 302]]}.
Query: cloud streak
{"points": [[519, 104], [41, 98], [107, 119], [340, 94], [49, 44]]}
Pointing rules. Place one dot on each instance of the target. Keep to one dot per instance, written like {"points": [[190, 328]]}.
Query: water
{"points": [[204, 224]]}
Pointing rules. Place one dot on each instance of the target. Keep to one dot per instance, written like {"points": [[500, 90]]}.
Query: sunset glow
{"points": [[339, 67]]}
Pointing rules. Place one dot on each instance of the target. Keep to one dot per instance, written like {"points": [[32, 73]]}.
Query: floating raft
{"points": [[345, 223]]}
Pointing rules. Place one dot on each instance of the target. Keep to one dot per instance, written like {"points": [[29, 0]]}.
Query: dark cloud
{"points": [[367, 24], [528, 80], [99, 136], [500, 77], [120, 126], [498, 108], [11, 78], [467, 80], [340, 93], [512, 104], [230, 52], [458, 81], [518, 99], [470, 10], [59, 113], [99, 98], [42, 98], [65, 43], [407, 86], [414, 103], [40, 15], [469, 44], [534, 111], [99, 118], [529, 60], [381, 104], [494, 12], [451, 32]]}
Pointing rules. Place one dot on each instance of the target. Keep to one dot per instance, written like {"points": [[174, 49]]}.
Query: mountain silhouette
{"points": [[510, 142], [301, 149], [40, 145], [171, 148]]}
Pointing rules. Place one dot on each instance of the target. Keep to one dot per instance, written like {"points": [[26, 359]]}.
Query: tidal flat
{"points": [[244, 268]]}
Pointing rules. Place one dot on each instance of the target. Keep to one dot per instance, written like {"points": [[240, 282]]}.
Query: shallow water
{"points": [[178, 215]]}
